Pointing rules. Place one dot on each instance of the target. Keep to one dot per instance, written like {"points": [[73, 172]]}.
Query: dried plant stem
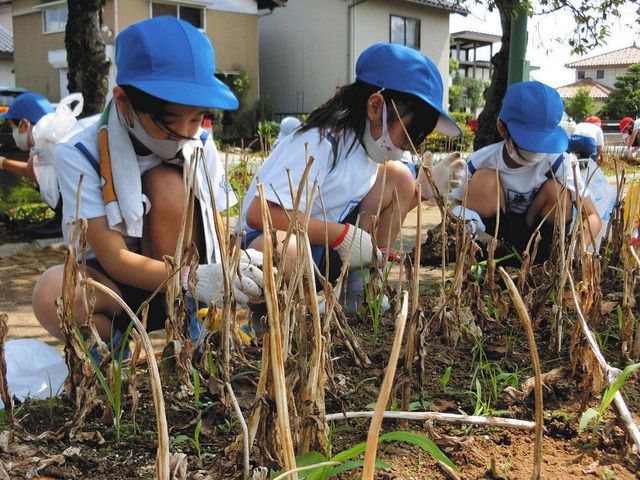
{"points": [[243, 426], [5, 394], [385, 391], [609, 372], [162, 460], [439, 417], [525, 319], [413, 319], [275, 340]]}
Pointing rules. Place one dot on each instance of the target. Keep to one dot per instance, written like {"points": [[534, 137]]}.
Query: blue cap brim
{"points": [[6, 115], [550, 141], [445, 124], [216, 95]]}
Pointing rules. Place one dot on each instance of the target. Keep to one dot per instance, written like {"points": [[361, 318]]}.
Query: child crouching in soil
{"points": [[532, 169]]}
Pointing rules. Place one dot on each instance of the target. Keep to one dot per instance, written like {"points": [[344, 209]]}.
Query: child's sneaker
{"points": [[355, 294]]}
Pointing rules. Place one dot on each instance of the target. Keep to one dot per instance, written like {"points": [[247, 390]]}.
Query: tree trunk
{"points": [[86, 57], [487, 132]]}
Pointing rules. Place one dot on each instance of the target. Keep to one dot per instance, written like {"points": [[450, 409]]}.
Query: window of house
{"points": [[192, 15], [161, 9], [600, 74], [580, 74], [55, 19], [405, 31]]}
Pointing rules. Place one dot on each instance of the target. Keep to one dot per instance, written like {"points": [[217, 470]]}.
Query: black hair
{"points": [[347, 110], [153, 106]]}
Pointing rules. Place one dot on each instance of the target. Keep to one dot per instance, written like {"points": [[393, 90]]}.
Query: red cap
{"points": [[206, 123], [625, 122], [595, 120]]}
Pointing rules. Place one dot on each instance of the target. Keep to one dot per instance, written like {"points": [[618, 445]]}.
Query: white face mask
{"points": [[525, 157], [21, 139], [382, 149], [165, 149]]}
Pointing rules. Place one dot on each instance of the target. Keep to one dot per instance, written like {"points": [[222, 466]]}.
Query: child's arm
{"points": [[591, 218], [120, 263], [22, 169], [316, 229]]}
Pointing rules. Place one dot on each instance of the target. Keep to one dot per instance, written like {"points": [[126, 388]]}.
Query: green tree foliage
{"points": [[592, 18], [464, 92], [581, 106], [624, 100]]}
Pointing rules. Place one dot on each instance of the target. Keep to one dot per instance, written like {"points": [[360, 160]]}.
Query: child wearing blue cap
{"points": [[23, 114], [132, 192], [355, 138], [532, 166]]}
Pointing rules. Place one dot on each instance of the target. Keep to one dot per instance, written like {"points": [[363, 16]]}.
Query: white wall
{"points": [[610, 75], [7, 77], [303, 53], [372, 20]]}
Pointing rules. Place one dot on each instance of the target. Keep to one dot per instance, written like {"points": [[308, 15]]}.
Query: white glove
{"points": [[475, 223], [447, 173], [362, 250], [247, 286], [252, 257]]}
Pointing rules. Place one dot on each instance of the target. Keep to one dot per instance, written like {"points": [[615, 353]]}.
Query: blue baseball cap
{"points": [[171, 60], [532, 112], [404, 69], [29, 105]]}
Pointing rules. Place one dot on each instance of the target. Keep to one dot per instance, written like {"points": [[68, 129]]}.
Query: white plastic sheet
{"points": [[34, 369]]}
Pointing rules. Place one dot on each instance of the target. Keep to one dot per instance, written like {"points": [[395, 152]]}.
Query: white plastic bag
{"points": [[47, 133], [34, 369], [602, 193]]}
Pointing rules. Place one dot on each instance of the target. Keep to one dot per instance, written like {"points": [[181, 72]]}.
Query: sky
{"points": [[547, 47]]}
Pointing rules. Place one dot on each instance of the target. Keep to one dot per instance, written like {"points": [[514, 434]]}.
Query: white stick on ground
{"points": [[440, 417]]}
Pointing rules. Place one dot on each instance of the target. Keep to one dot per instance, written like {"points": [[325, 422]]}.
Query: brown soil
{"points": [[491, 453]]}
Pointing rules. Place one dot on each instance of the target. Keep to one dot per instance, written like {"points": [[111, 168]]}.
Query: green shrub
{"points": [[439, 142], [23, 204]]}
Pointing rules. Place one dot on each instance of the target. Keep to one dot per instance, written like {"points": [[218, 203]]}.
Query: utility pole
{"points": [[518, 66]]}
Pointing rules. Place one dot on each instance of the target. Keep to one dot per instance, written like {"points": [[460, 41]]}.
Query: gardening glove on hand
{"points": [[252, 257], [447, 173], [362, 250], [475, 225], [247, 285]]}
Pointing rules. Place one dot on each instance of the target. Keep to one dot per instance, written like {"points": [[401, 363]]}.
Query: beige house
{"points": [[41, 59], [598, 73], [310, 47]]}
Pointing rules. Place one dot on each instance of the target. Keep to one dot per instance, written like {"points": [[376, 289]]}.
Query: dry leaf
{"points": [[607, 306], [178, 466], [443, 406]]}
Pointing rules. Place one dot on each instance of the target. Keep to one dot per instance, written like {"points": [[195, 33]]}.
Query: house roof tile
{"points": [[597, 91], [6, 42], [447, 5], [618, 58]]}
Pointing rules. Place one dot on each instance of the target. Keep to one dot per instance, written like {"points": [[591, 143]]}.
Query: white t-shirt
{"points": [[591, 130], [342, 184], [520, 185], [72, 161]]}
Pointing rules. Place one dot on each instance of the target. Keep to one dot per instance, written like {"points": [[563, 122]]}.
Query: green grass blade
{"points": [[420, 441]]}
